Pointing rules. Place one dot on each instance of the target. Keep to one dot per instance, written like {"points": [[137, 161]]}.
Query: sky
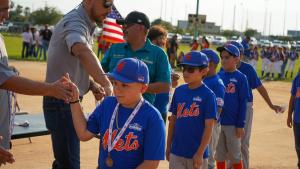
{"points": [[267, 16]]}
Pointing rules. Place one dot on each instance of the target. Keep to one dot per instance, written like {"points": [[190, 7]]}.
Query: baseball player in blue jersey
{"points": [[265, 61], [193, 116], [234, 110], [132, 132], [214, 82], [293, 56], [293, 119], [254, 83]]}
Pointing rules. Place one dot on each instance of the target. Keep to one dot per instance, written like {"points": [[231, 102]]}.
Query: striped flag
{"points": [[112, 32]]}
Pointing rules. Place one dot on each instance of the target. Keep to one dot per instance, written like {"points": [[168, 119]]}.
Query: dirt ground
{"points": [[272, 144]]}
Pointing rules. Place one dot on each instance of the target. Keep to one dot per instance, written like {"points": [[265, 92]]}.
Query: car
{"points": [[277, 43], [187, 39], [286, 44], [297, 45], [219, 40]]}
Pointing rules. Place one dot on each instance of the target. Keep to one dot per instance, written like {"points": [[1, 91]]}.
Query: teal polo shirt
{"points": [[154, 57]]}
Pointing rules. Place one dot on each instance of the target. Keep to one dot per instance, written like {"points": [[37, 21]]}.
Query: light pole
{"points": [[196, 21]]}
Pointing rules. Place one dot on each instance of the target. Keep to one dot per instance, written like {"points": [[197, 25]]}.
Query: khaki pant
{"points": [[213, 145], [229, 146], [177, 162]]}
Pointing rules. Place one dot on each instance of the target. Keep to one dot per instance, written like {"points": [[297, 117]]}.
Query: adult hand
{"points": [[97, 90], [240, 132], [61, 89], [5, 156], [108, 90], [289, 121], [175, 77], [197, 160]]}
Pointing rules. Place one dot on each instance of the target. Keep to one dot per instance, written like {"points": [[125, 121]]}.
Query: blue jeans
{"points": [[65, 143], [296, 128], [45, 48]]}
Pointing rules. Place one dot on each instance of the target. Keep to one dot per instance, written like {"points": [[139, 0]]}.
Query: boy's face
{"points": [[228, 61], [128, 93], [193, 74]]}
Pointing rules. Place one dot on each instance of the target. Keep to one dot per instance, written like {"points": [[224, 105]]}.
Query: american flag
{"points": [[112, 32]]}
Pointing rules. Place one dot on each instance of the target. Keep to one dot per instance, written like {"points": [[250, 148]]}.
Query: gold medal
{"points": [[109, 162]]}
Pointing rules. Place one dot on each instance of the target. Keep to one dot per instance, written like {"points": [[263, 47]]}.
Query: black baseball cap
{"points": [[135, 17]]}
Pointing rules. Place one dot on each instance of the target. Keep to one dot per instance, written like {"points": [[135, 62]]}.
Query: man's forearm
{"points": [[26, 86], [158, 87], [91, 64]]}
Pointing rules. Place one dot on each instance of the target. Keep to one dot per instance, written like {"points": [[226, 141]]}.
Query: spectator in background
{"points": [[46, 36], [194, 45], [39, 45], [246, 45], [173, 50], [158, 36], [204, 43], [27, 40], [33, 42]]}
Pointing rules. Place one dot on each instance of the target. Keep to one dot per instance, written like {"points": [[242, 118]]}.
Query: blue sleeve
{"points": [[220, 93], [210, 106], [243, 97], [163, 68], [93, 123], [294, 86], [173, 105], [106, 60], [155, 139], [254, 79]]}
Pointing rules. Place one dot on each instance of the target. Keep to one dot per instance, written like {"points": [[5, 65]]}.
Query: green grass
{"points": [[14, 48]]}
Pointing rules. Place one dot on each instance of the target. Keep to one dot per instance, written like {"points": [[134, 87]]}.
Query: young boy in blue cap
{"points": [[234, 110], [215, 83], [194, 112], [293, 119], [132, 132]]}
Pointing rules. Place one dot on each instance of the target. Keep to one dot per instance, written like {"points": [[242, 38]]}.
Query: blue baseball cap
{"points": [[211, 55], [233, 50], [238, 45], [130, 70], [195, 58]]}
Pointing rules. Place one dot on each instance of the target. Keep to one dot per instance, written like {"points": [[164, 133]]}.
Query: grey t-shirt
{"points": [[75, 27], [5, 97]]}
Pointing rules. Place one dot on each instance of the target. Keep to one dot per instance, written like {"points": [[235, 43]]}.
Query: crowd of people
{"points": [[211, 114], [36, 43]]}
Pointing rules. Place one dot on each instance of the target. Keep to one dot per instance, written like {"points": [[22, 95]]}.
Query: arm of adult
{"points": [[79, 120], [161, 82], [264, 93], [22, 85], [91, 64], [158, 87]]}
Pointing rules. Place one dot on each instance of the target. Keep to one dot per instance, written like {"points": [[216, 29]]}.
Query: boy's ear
{"points": [[144, 88]]}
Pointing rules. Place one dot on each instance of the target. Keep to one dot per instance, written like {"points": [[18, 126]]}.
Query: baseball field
{"points": [[271, 147]]}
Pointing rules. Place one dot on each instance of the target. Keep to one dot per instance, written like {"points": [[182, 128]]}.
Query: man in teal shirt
{"points": [[135, 29]]}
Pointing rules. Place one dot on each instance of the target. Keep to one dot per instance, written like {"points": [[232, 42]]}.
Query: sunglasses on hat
{"points": [[107, 4]]}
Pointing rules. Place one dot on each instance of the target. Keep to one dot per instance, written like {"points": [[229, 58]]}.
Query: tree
{"points": [[26, 13], [47, 15], [229, 33], [165, 24], [250, 32], [17, 14]]}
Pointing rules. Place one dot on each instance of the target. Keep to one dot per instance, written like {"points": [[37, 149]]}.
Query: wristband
{"points": [[77, 101]]}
